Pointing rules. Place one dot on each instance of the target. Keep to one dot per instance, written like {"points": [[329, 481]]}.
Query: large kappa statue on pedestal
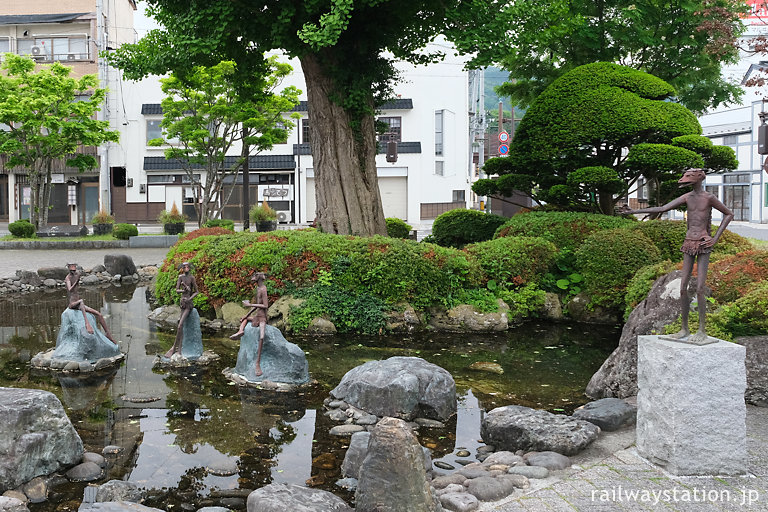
{"points": [[187, 287], [696, 247]]}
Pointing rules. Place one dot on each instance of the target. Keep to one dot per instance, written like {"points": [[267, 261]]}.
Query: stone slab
{"points": [[691, 417], [140, 242]]}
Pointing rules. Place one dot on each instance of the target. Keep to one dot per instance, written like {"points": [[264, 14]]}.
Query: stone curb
{"points": [[65, 244]]}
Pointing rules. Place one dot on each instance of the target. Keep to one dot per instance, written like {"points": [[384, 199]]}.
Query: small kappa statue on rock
{"points": [[187, 287], [75, 302], [697, 246], [257, 315]]}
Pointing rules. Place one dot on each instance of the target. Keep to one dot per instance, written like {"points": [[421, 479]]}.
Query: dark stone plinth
{"points": [[74, 343], [192, 346], [62, 231], [281, 361]]}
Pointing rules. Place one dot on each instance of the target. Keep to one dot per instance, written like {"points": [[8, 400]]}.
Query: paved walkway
{"points": [[13, 259], [611, 476]]}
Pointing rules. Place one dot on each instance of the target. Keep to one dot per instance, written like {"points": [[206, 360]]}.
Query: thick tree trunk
{"points": [[344, 159]]}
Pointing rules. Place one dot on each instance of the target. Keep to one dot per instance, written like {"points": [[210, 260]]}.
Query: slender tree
{"points": [[205, 114], [346, 49], [47, 116]]}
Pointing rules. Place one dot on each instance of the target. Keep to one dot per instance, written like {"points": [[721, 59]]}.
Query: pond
{"points": [[180, 431]]}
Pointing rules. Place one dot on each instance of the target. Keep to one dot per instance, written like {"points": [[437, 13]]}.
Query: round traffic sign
{"points": [[503, 149], [503, 136]]}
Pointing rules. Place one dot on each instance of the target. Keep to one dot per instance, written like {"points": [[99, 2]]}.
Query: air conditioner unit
{"points": [[37, 51], [284, 216], [71, 56]]}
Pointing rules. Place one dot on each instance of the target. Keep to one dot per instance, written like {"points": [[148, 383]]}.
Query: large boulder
{"points": [[515, 427], [58, 273], [400, 387], [465, 317], [74, 343], [617, 377], [281, 361], [119, 264], [607, 413], [294, 498], [36, 436], [392, 476], [166, 317], [757, 369]]}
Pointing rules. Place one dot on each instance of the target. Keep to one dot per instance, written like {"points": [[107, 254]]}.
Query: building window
{"points": [[737, 178], [153, 129], [5, 44], [439, 133], [305, 131], [642, 190], [458, 196], [712, 189], [393, 130], [439, 168], [54, 48], [730, 140]]}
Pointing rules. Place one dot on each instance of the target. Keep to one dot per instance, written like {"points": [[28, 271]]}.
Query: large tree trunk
{"points": [[344, 159]]}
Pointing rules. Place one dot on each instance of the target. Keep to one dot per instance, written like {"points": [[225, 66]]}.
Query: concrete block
{"points": [[691, 415], [152, 241]]}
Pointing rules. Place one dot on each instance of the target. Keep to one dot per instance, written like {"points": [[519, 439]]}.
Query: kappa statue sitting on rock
{"points": [[257, 316], [75, 302]]}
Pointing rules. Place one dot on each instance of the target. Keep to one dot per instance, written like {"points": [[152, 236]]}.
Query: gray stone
{"points": [[62, 231], [346, 430], [57, 273], [617, 377], [95, 458], [607, 413], [116, 506], [757, 369], [529, 471], [392, 473], [119, 264], [29, 277], [85, 472], [294, 498], [428, 423], [449, 488], [580, 310], [338, 404], [459, 502], [521, 428], [281, 361], [50, 283], [552, 309], [350, 484], [280, 311], [519, 481], [111, 450], [465, 317], [321, 325], [401, 387], [141, 241], [223, 468], [443, 465], [74, 343], [232, 503], [487, 488], [89, 280], [36, 436], [166, 317], [118, 490], [691, 415], [96, 269], [358, 447], [337, 415], [548, 460], [503, 457], [231, 313], [474, 472], [18, 495], [12, 505], [443, 481], [36, 490]]}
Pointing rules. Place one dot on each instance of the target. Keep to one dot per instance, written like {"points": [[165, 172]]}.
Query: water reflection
{"points": [[178, 429]]}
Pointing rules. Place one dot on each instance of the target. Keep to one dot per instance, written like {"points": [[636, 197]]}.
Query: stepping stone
{"points": [[549, 460], [459, 502], [529, 471], [607, 413]]}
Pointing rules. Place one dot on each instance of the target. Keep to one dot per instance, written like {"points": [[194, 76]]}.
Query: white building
{"points": [[429, 119]]}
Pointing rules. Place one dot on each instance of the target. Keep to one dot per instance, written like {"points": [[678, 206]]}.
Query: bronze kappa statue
{"points": [[75, 302], [187, 287], [257, 315], [696, 247]]}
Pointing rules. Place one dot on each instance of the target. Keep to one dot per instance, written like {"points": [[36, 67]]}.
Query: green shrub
{"points": [[457, 228], [220, 223], [668, 236], [567, 230], [524, 302], [125, 231], [513, 261], [608, 259], [359, 313], [746, 316], [398, 228], [22, 228], [642, 282], [734, 276]]}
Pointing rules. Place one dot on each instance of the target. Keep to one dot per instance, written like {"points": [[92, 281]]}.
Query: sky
{"points": [[141, 22]]}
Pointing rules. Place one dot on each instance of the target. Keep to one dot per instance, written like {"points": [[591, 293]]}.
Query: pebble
{"points": [[223, 468], [345, 430], [529, 471], [338, 404], [459, 502], [549, 460], [464, 462], [463, 453], [36, 490], [428, 423], [111, 450], [443, 465], [349, 484], [95, 458], [85, 472]]}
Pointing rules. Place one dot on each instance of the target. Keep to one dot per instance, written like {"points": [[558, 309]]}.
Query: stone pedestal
{"points": [[691, 415]]}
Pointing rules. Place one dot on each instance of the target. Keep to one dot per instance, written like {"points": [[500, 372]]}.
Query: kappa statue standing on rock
{"points": [[696, 247], [257, 315], [187, 287]]}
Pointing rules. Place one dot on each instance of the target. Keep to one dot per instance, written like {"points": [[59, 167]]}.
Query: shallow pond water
{"points": [[181, 430]]}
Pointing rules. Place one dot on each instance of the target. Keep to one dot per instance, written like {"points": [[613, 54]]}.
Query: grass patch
{"points": [[11, 238], [760, 245]]}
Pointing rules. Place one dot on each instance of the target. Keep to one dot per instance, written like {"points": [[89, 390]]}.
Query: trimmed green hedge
{"points": [[567, 230], [609, 259], [456, 228], [22, 228], [124, 231], [668, 236], [512, 262], [398, 228], [227, 224]]}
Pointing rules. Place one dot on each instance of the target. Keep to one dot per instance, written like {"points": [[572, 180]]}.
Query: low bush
{"points": [[359, 313], [734, 276], [125, 231], [511, 262], [608, 259], [398, 228], [642, 282], [567, 230], [456, 228], [208, 231], [746, 316], [668, 236], [227, 224], [22, 228], [524, 302]]}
